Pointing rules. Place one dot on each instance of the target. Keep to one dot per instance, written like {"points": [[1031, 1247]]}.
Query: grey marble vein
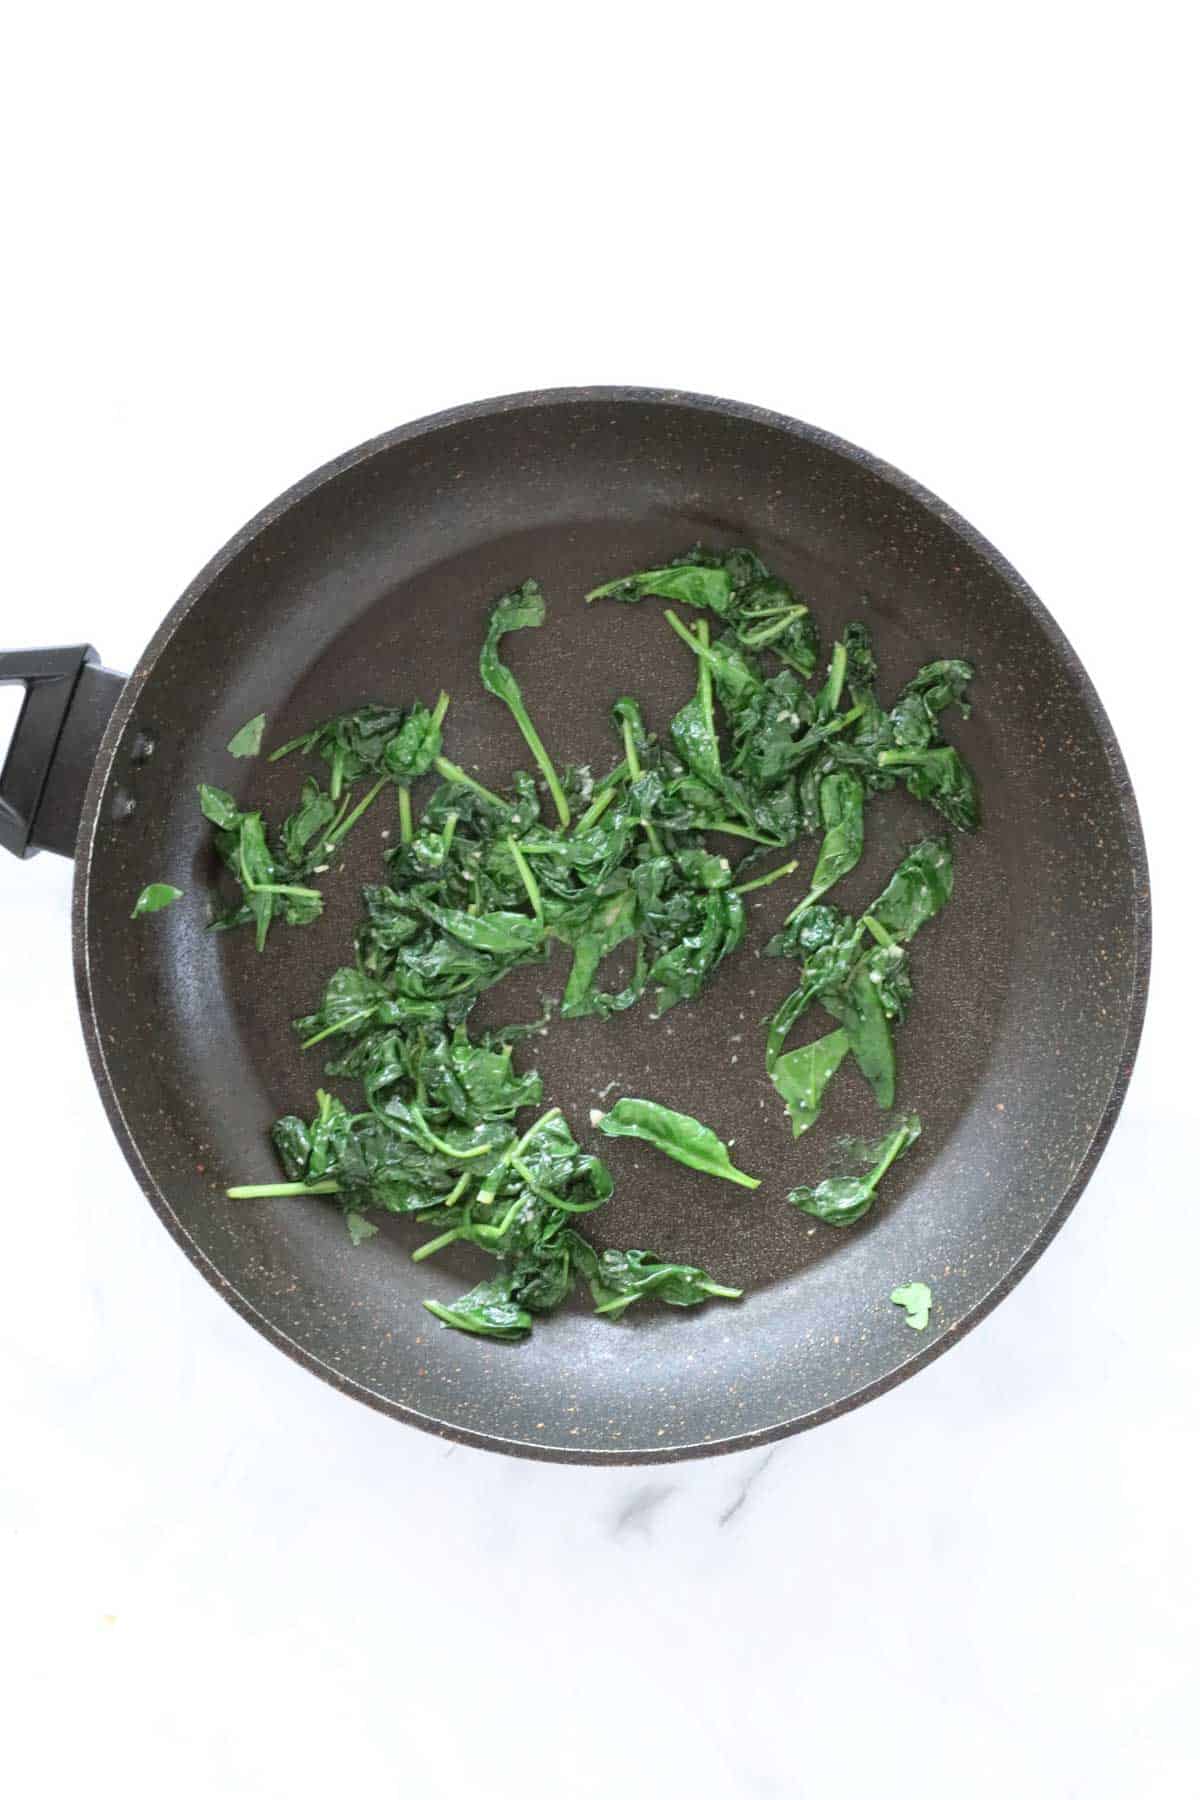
{"points": [[638, 1512], [734, 1508]]}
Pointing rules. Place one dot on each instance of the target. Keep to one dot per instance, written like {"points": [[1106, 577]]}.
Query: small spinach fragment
{"points": [[843, 1199], [154, 898], [676, 1134], [916, 1299], [248, 741]]}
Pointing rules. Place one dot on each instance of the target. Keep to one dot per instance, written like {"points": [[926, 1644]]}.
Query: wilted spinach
{"points": [[858, 971], [479, 884], [676, 1134], [843, 1199], [522, 608]]}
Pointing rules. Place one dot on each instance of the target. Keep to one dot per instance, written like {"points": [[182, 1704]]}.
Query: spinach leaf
{"points": [[916, 716], [801, 1077], [270, 890], [864, 988], [771, 618], [218, 807], [735, 585], [919, 887], [941, 777], [248, 741], [154, 898], [516, 611], [623, 1276], [413, 750], [827, 969], [676, 1134], [693, 586], [841, 801], [804, 932], [487, 1311], [306, 829], [610, 920], [859, 1010], [471, 1081], [916, 1299], [765, 730], [715, 926], [842, 1199]]}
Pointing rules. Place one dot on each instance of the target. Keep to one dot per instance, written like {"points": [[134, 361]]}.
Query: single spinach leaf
{"points": [[916, 716], [801, 1077], [304, 837], [154, 898], [248, 741], [623, 1276], [676, 1134], [516, 611], [841, 800], [804, 932], [218, 807], [859, 1009], [919, 887], [843, 1199], [487, 1311], [711, 588], [943, 778]]}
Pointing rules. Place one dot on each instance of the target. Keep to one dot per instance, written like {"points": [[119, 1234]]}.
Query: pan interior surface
{"points": [[372, 582]]}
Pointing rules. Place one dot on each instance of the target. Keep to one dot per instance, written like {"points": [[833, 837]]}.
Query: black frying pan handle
{"points": [[68, 700]]}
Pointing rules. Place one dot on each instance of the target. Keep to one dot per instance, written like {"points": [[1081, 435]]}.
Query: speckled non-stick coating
{"points": [[371, 581]]}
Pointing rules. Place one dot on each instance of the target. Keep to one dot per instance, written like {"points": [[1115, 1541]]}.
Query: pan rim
{"points": [[678, 399]]}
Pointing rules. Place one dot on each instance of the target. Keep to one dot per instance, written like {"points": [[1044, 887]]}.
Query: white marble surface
{"points": [[244, 242]]}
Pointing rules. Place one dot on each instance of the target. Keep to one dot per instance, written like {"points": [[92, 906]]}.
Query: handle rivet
{"points": [[123, 806], [143, 747]]}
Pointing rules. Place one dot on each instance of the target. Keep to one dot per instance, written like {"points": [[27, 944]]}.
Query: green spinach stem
{"points": [[451, 772], [788, 868], [438, 1243], [279, 1189], [527, 880], [335, 837], [339, 1025]]}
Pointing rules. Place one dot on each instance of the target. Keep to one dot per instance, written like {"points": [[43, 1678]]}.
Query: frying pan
{"points": [[371, 580]]}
